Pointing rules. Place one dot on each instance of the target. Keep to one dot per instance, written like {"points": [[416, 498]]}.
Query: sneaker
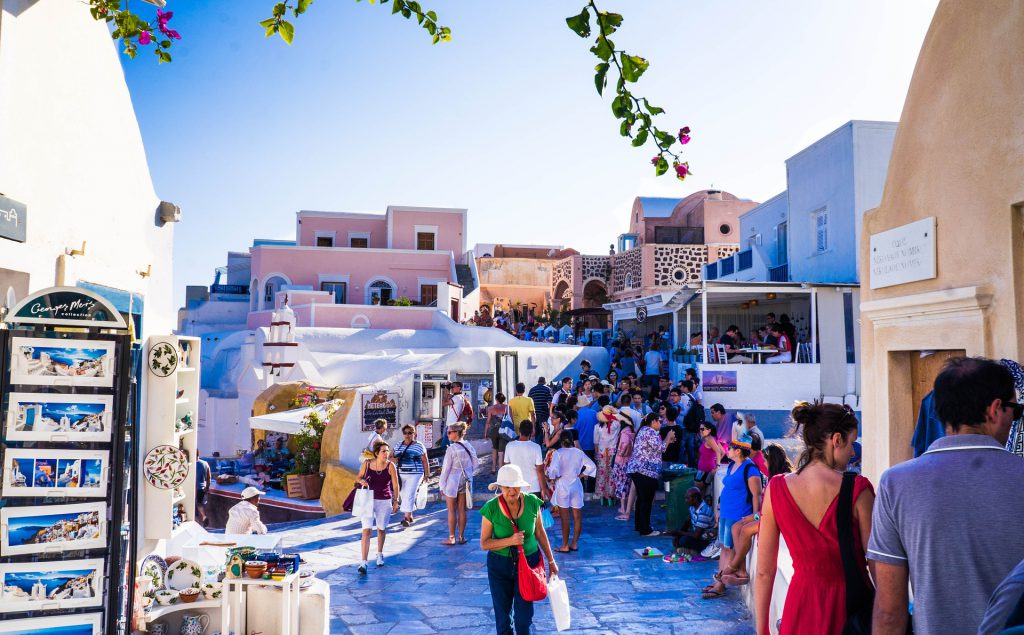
{"points": [[652, 534], [380, 560], [712, 551], [362, 569]]}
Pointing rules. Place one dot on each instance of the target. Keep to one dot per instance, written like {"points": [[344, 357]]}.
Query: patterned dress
{"points": [[605, 438], [620, 481]]}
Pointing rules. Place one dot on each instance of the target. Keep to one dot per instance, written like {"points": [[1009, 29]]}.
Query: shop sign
{"points": [[379, 405], [904, 254], [67, 306], [13, 219], [641, 314]]}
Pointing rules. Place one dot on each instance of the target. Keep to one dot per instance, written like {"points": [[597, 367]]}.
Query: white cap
{"points": [[251, 491]]}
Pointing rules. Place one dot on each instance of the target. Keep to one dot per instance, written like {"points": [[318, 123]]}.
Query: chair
{"points": [[803, 353], [723, 357]]}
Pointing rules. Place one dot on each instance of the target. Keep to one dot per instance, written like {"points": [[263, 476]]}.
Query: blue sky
{"points": [[362, 111]]}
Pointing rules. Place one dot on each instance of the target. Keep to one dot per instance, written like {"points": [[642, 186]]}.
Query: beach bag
{"points": [[532, 581], [559, 596], [508, 427], [421, 495], [362, 503]]}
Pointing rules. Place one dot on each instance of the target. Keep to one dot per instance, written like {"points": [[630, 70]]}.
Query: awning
{"points": [[289, 421]]}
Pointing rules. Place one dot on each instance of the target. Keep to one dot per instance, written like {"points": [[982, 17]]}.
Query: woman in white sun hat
{"points": [[501, 541]]}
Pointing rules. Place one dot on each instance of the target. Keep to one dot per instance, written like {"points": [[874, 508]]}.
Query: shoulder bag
{"points": [[532, 581], [468, 488], [507, 426]]}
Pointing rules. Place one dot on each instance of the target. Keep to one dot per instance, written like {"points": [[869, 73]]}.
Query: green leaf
{"points": [[601, 78], [430, 27], [661, 167], [609, 22], [654, 110], [603, 49], [279, 9], [268, 22], [580, 24], [620, 106], [436, 39], [272, 29], [302, 6], [432, 15], [287, 31], [633, 67], [624, 128], [395, 8], [641, 138], [666, 139]]}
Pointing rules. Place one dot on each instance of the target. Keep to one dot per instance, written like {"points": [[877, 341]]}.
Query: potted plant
{"points": [[305, 481]]}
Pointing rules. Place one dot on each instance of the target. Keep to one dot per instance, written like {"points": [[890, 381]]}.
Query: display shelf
{"points": [[186, 369], [156, 612], [181, 401], [179, 434]]}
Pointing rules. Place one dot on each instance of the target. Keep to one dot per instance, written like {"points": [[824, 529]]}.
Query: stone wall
{"points": [[675, 265], [627, 263], [562, 272], [596, 267]]}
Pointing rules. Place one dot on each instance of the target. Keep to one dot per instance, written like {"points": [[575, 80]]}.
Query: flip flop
{"points": [[462, 541], [621, 517], [712, 594], [450, 542], [574, 548], [560, 550]]}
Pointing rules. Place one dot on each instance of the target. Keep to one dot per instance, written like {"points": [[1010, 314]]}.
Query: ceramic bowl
{"points": [[189, 595], [255, 568], [166, 598], [212, 590]]}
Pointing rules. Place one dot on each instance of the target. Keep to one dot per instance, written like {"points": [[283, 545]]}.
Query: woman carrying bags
{"points": [[456, 478], [379, 475], [502, 541]]}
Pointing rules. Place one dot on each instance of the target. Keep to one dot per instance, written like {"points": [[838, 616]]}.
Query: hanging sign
{"points": [[379, 405], [13, 219], [67, 306], [641, 314]]}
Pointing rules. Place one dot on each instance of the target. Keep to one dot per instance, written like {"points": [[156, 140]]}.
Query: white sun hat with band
{"points": [[509, 476]]}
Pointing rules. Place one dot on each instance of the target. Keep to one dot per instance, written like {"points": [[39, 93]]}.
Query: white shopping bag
{"points": [[362, 504], [421, 496], [558, 595]]}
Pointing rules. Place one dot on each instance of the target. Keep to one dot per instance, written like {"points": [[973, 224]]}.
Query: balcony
{"points": [[230, 289], [726, 266], [779, 274], [711, 271], [746, 260], [679, 235]]}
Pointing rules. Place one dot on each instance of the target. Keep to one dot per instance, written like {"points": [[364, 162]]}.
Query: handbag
{"points": [[421, 495], [532, 581], [468, 487], [508, 428]]}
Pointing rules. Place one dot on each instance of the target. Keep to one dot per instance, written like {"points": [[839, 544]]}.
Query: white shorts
{"points": [[409, 484], [568, 495], [381, 515]]}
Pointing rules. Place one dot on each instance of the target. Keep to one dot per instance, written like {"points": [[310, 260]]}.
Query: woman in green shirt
{"points": [[500, 541]]}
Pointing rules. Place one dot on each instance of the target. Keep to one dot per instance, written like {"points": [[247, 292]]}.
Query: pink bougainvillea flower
{"points": [[682, 169], [145, 38], [162, 19], [684, 135], [655, 160]]}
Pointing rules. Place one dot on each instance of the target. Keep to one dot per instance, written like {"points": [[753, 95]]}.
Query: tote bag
{"points": [[559, 596], [421, 495], [362, 503]]}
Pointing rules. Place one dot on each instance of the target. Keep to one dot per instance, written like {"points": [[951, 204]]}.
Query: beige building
{"points": [[958, 157]]}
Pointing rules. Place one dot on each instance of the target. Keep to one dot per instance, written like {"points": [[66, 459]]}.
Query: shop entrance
{"points": [[921, 369]]}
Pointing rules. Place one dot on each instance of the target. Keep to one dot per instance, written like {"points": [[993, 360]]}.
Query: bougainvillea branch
{"points": [[133, 31], [636, 113]]}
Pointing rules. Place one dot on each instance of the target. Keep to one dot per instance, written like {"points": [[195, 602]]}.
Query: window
{"points": [[725, 229], [781, 243], [428, 294], [628, 282], [379, 292], [425, 241], [359, 243], [338, 289], [820, 219], [324, 241], [754, 240]]}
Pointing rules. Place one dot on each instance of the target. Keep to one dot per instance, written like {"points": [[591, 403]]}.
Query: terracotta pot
{"points": [[255, 569], [189, 595]]}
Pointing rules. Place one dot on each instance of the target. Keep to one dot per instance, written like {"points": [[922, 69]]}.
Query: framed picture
{"points": [[62, 584], [81, 624], [55, 472], [45, 417], [41, 361], [42, 529]]}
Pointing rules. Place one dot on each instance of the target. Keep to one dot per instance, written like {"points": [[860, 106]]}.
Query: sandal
{"points": [[450, 542], [462, 541], [574, 548], [405, 522], [622, 517], [566, 550], [735, 580], [712, 594]]}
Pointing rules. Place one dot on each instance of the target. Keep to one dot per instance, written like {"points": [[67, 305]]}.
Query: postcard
{"points": [[55, 472], [56, 362], [46, 417], [42, 529], [62, 584]]}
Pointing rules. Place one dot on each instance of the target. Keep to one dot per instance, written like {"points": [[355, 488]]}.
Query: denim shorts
{"points": [[725, 532]]}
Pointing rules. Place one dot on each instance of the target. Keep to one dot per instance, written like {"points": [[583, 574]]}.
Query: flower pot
{"points": [[304, 486]]}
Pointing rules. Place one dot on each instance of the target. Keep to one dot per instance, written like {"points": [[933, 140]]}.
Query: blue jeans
{"points": [[501, 576]]}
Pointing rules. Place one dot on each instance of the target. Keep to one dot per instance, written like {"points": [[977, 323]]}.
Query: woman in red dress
{"points": [[802, 507]]}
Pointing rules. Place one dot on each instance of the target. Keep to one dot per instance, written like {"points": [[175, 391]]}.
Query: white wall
{"points": [[70, 149]]}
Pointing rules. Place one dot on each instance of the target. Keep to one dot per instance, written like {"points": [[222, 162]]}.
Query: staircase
{"points": [[464, 274]]}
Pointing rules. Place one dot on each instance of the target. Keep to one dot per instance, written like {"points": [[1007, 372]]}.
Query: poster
{"points": [[718, 380], [39, 529], [55, 472], [379, 405], [46, 417], [55, 362], [63, 584]]}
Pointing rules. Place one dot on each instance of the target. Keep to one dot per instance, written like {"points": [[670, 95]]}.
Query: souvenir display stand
{"points": [[67, 494]]}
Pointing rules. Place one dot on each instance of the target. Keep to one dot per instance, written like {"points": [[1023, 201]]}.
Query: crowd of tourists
{"points": [[946, 516]]}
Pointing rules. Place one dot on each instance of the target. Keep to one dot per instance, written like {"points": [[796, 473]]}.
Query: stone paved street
{"points": [[429, 588]]}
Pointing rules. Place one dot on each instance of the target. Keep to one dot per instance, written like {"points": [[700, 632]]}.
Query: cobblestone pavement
{"points": [[426, 587]]}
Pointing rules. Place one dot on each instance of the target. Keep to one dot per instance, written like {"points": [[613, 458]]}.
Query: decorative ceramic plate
{"points": [[163, 359], [166, 467], [154, 568], [184, 574]]}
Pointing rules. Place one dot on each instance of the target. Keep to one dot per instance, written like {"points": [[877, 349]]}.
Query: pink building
{"points": [[343, 267]]}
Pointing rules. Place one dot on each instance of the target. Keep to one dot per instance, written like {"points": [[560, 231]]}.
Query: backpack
{"points": [[746, 483], [508, 427], [694, 416]]}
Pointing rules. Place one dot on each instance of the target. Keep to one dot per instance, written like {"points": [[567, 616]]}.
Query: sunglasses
{"points": [[1018, 409], [407, 433]]}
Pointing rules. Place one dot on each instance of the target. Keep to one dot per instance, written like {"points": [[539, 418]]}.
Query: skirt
{"points": [[605, 487], [410, 482], [620, 480]]}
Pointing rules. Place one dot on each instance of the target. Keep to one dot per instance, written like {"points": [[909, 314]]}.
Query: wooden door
{"points": [[923, 370]]}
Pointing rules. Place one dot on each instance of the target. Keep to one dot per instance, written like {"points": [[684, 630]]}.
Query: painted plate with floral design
{"points": [[184, 574], [166, 467], [155, 568], [163, 359]]}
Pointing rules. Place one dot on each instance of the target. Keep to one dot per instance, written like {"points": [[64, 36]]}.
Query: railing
{"points": [[711, 271], [230, 289], [746, 259], [779, 274], [727, 266], [679, 235]]}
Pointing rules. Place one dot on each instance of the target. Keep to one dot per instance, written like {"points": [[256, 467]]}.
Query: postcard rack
{"points": [[66, 385]]}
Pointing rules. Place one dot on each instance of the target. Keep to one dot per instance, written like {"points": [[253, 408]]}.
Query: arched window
{"points": [[380, 291], [628, 283], [272, 285]]}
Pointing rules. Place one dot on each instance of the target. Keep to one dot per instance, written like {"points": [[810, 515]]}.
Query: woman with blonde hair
{"points": [[456, 478]]}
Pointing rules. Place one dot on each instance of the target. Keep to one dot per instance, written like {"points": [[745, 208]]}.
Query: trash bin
{"points": [[677, 481]]}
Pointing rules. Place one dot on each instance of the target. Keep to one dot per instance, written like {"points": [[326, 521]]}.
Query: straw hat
{"points": [[607, 413], [509, 476]]}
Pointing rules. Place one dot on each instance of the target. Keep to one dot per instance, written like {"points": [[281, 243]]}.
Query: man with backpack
{"points": [[693, 417]]}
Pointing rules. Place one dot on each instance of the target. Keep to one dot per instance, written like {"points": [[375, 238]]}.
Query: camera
{"points": [[447, 385]]}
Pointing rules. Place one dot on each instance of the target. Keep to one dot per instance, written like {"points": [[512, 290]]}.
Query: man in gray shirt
{"points": [[945, 520]]}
